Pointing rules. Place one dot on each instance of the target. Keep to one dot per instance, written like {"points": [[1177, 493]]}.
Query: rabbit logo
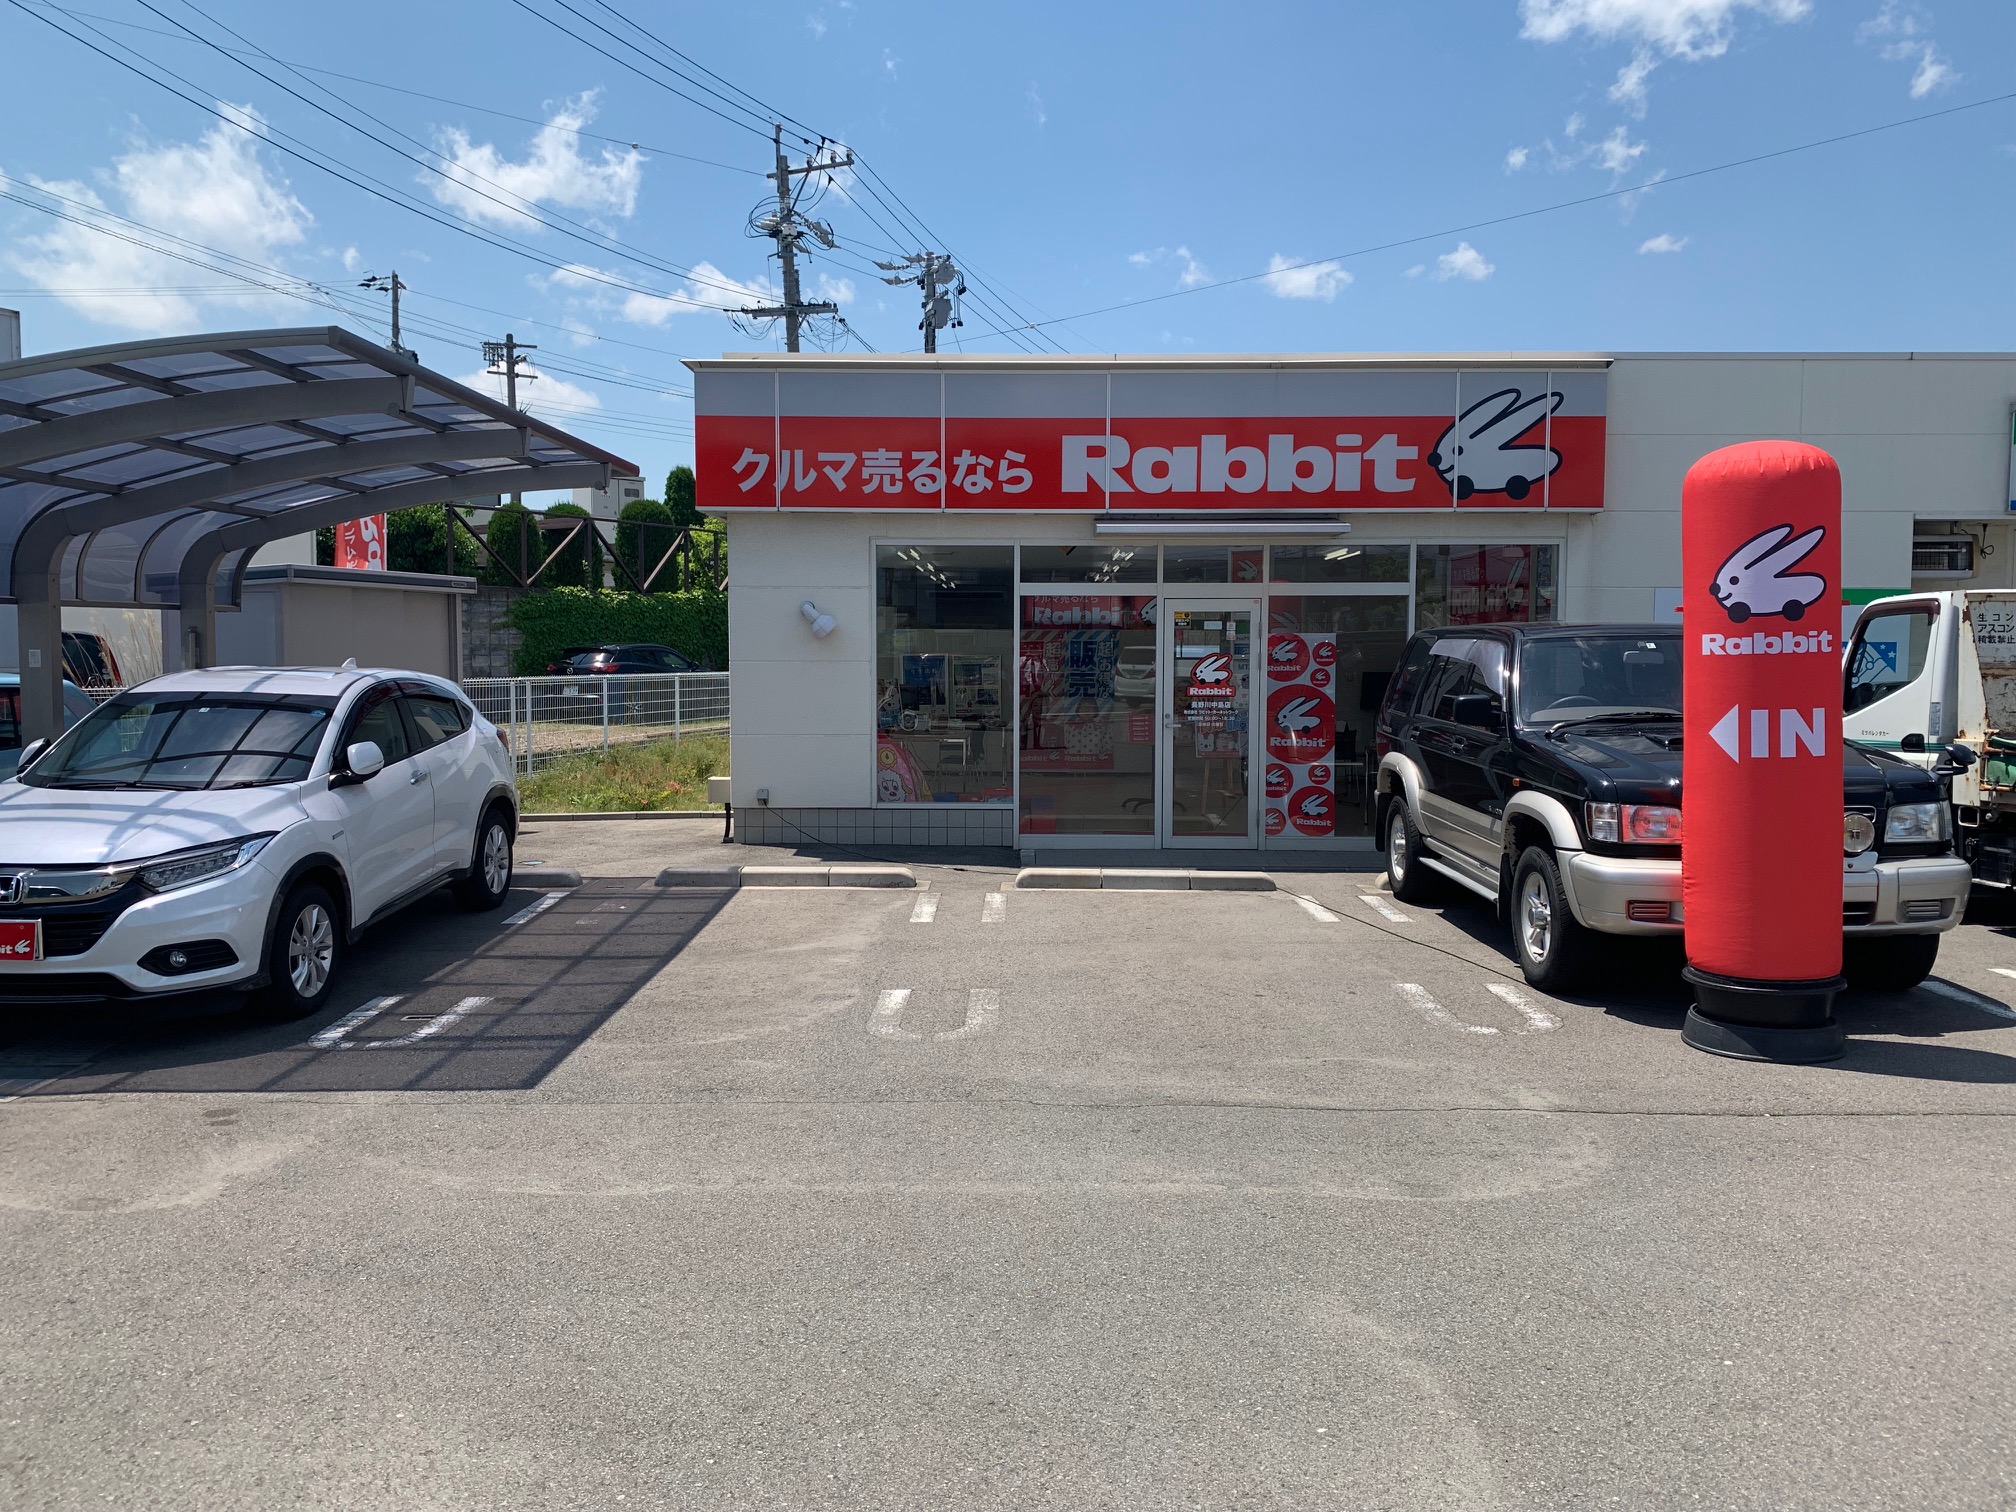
{"points": [[1757, 578], [1476, 454]]}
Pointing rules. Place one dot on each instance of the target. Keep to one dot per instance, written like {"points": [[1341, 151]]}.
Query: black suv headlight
{"points": [[1915, 824]]}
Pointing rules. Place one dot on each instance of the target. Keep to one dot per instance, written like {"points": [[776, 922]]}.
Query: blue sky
{"points": [[1075, 158]]}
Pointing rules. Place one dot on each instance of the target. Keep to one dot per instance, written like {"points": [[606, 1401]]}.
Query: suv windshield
{"points": [[1588, 676], [187, 741]]}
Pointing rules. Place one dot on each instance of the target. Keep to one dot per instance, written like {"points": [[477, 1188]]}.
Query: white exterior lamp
{"points": [[822, 625]]}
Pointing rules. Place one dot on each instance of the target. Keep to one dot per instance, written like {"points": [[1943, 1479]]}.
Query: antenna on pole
{"points": [[934, 275], [788, 227], [390, 284]]}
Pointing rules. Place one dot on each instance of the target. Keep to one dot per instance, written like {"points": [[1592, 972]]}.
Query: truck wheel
{"points": [[1889, 963], [1552, 949], [1406, 878]]}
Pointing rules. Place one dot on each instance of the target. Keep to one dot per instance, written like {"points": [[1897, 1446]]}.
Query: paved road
{"points": [[802, 1199]]}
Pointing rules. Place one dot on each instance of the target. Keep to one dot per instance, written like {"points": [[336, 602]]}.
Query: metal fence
{"points": [[546, 718]]}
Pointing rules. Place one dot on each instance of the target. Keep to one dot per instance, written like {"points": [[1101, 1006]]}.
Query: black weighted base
{"points": [[1764, 1021]]}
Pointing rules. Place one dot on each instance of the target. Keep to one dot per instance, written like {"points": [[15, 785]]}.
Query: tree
{"points": [[513, 529], [580, 564], [644, 533], [416, 541], [679, 498]]}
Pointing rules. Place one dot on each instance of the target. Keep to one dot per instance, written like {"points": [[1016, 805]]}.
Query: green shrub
{"points": [[579, 561], [512, 529], [659, 774], [696, 623]]}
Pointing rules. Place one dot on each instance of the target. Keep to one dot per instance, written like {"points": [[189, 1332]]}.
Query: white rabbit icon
{"points": [[1295, 717], [1755, 578], [1476, 454]]}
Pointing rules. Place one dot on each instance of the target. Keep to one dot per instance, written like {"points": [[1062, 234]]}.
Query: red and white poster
{"points": [[1226, 439], [361, 543], [1301, 734]]}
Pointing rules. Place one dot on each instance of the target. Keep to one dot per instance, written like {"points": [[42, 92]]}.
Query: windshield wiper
{"points": [[1626, 715]]}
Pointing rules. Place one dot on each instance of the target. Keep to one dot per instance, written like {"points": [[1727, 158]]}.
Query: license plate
{"points": [[572, 690], [20, 940]]}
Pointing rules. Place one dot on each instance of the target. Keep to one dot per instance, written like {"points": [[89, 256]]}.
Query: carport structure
{"points": [[146, 474]]}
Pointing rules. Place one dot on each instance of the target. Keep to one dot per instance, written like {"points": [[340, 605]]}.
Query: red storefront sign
{"points": [[1231, 438]]}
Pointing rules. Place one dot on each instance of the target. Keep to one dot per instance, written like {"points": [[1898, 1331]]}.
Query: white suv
{"points": [[239, 827]]}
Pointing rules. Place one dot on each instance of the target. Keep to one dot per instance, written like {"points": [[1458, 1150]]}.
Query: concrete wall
{"points": [[294, 623], [488, 641]]}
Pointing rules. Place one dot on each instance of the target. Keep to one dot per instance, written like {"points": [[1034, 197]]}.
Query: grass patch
{"points": [[656, 775]]}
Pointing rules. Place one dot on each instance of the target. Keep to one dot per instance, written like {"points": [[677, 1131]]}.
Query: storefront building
{"points": [[1130, 602]]}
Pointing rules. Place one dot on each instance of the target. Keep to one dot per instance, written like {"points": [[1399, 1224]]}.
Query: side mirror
{"points": [[1953, 760], [361, 762], [1479, 711], [29, 752], [1914, 742]]}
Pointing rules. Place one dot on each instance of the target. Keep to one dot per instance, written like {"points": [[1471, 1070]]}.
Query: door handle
{"points": [[419, 775]]}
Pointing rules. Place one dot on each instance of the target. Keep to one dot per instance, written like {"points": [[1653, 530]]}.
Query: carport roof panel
{"points": [[240, 423]]}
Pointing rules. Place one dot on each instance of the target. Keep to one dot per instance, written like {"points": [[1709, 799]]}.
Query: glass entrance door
{"points": [[1208, 798]]}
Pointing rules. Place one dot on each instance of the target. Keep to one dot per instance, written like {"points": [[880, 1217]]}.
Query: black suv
{"points": [[622, 660], [1539, 766]]}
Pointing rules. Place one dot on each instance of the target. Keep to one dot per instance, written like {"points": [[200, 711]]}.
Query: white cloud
{"points": [[816, 25], [1417, 270], [1466, 263], [706, 289], [1617, 152], [1627, 204], [1190, 272], [833, 290], [216, 190], [1037, 113], [1664, 242], [533, 397], [889, 63], [1516, 159], [352, 259], [1900, 31], [1291, 278], [485, 185], [1690, 29]]}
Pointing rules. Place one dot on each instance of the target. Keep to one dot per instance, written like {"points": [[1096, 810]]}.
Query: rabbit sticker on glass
{"points": [[1756, 579], [1477, 455]]}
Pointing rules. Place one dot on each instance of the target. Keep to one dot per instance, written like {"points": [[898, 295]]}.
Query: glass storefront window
{"points": [[1345, 649], [1087, 726], [1340, 564], [1211, 564], [944, 649], [1483, 585], [1088, 564]]}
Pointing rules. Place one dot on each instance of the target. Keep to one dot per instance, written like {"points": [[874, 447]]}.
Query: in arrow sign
{"points": [[1727, 734]]}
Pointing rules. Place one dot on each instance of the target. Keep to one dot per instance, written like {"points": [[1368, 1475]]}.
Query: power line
{"points": [[1658, 181]]}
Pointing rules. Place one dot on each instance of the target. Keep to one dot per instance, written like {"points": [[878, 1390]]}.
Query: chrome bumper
{"points": [[1600, 887]]}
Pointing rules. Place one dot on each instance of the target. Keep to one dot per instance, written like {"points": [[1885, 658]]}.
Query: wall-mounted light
{"points": [[822, 625]]}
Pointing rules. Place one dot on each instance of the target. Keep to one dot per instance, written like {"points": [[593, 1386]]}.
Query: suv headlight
{"points": [[1914, 823], [166, 873], [1634, 823]]}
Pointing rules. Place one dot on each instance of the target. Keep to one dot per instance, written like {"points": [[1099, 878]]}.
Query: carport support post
{"points": [[39, 626]]}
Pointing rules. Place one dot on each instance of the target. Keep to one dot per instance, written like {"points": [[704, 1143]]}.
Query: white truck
{"points": [[1932, 676]]}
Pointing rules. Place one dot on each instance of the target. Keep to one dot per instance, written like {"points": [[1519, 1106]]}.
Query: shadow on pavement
{"points": [[477, 1004]]}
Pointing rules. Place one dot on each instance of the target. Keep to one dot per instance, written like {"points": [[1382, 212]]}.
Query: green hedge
{"points": [[696, 623]]}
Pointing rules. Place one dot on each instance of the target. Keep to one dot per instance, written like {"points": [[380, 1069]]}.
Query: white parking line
{"points": [[926, 909], [535, 908], [1972, 999], [983, 1012], [1435, 1013], [1532, 1012], [995, 909], [332, 1038], [1314, 909], [1380, 906], [887, 1019], [333, 1035]]}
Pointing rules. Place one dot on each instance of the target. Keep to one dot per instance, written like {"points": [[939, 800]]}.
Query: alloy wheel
{"points": [[311, 950], [1396, 847], [496, 858], [1536, 918]]}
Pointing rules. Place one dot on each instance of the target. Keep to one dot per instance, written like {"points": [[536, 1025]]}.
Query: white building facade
{"points": [[1138, 602]]}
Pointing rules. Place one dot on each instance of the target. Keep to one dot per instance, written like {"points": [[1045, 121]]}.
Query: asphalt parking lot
{"points": [[970, 1197]]}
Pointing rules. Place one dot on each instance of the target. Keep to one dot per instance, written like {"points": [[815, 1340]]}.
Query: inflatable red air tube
{"points": [[1760, 528]]}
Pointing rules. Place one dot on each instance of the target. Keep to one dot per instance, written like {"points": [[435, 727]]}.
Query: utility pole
{"points": [[390, 284], [506, 353], [931, 272], [787, 227]]}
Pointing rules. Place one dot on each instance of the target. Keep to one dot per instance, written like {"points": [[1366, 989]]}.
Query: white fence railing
{"points": [[545, 718]]}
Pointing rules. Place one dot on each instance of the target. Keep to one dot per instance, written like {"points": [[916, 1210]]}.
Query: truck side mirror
{"points": [[1479, 711], [1953, 760], [1914, 742]]}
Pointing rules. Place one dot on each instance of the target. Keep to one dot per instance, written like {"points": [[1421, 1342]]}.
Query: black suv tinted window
{"points": [[1408, 678]]}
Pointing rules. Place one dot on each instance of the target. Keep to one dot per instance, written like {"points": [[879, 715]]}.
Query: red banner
{"points": [[361, 543]]}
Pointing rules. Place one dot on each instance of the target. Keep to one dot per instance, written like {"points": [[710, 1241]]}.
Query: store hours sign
{"points": [[1237, 438]]}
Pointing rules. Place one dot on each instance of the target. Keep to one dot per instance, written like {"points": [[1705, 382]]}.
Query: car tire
{"points": [[489, 879], [1406, 878], [1890, 963], [1553, 950], [302, 955]]}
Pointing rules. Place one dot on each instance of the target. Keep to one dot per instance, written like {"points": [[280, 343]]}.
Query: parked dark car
{"points": [[1539, 766], [630, 658]]}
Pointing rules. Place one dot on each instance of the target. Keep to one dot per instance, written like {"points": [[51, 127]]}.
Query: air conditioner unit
{"points": [[1942, 556]]}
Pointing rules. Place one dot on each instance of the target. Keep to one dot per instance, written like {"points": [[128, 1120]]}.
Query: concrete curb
{"points": [[625, 814], [732, 877], [1123, 879], [545, 876]]}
